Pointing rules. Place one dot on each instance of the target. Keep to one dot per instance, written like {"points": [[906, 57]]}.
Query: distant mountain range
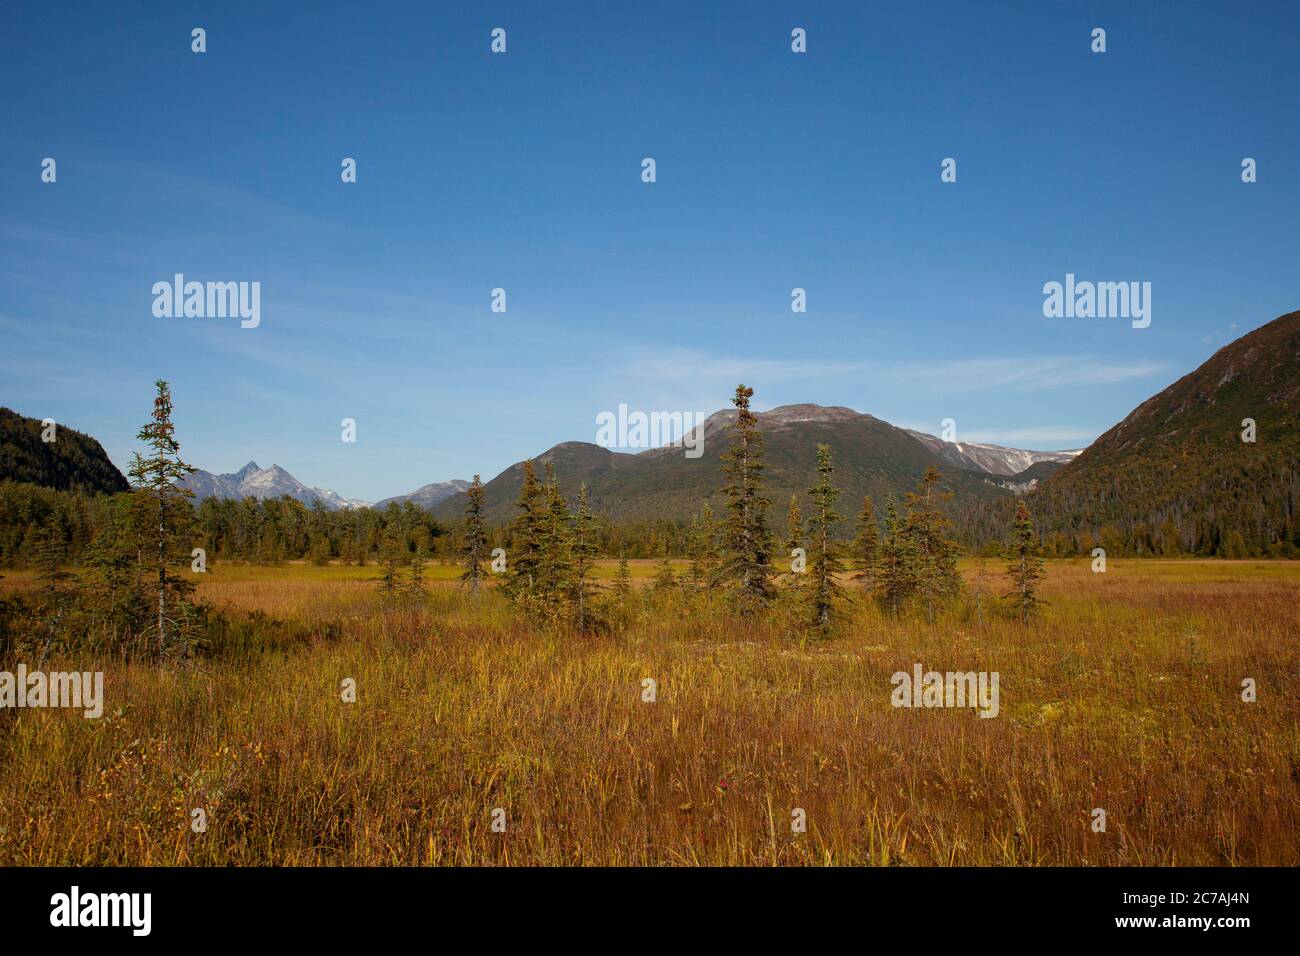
{"points": [[252, 481], [428, 496], [871, 457]]}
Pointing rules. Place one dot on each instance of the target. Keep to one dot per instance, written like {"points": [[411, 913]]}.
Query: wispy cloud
{"points": [[1025, 373], [1016, 372]]}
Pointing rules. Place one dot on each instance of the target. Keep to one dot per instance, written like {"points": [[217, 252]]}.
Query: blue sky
{"points": [[522, 171]]}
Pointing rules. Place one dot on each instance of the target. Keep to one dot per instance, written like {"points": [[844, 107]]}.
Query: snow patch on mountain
{"points": [[993, 459]]}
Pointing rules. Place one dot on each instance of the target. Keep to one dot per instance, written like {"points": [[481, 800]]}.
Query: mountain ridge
{"points": [[871, 457], [426, 496], [253, 481]]}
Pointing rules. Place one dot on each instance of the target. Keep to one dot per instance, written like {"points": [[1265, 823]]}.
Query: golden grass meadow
{"points": [[1125, 695]]}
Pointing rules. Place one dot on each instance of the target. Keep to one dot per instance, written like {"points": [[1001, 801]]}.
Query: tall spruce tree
{"points": [[1024, 564], [866, 546], [526, 539], [824, 594], [165, 511], [474, 542], [555, 566], [936, 553], [747, 560], [898, 565]]}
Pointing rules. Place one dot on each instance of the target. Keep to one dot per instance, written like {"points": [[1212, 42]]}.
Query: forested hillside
{"points": [[1209, 466], [72, 461]]}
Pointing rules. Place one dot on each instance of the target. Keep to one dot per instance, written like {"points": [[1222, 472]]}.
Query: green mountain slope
{"points": [[871, 457], [73, 461], [1176, 476]]}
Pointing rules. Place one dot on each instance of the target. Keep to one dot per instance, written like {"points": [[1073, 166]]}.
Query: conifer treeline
{"points": [[281, 529], [266, 532], [1230, 511]]}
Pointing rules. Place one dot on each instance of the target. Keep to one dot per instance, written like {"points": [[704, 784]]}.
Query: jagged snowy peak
{"points": [[252, 481]]}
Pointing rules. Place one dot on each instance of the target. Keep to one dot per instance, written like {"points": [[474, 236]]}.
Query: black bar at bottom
{"points": [[621, 906]]}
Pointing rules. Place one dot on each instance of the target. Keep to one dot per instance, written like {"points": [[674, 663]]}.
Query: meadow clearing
{"points": [[1125, 695]]}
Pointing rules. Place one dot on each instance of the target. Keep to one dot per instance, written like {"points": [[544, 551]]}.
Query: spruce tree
{"points": [[555, 564], [702, 547], [526, 539], [166, 516], [898, 561], [1024, 564], [623, 580], [824, 593], [390, 562], [584, 558], [474, 543], [665, 580], [416, 584], [936, 553], [866, 545], [747, 564]]}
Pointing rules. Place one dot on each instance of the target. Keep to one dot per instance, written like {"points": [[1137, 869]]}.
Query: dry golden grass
{"points": [[1125, 696]]}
